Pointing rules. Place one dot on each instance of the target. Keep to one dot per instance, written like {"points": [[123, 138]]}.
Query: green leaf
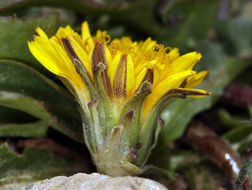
{"points": [[238, 134], [39, 110], [14, 34], [84, 7], [35, 129], [124, 12], [250, 111], [176, 160], [24, 89], [188, 21], [237, 33], [240, 128], [8, 115], [32, 165], [241, 133], [222, 71], [231, 122], [244, 144]]}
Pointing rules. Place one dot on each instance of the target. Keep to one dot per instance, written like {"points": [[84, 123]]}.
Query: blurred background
{"points": [[205, 142]]}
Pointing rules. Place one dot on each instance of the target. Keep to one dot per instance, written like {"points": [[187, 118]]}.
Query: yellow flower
{"points": [[128, 63], [122, 86]]}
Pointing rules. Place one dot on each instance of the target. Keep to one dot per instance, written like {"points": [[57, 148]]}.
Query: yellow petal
{"points": [[86, 37], [186, 61], [119, 83], [64, 32], [130, 76], [52, 55], [113, 66], [140, 78], [85, 33], [196, 79], [84, 57], [158, 91], [108, 56], [77, 44], [41, 33], [173, 54], [148, 44], [124, 80], [46, 55]]}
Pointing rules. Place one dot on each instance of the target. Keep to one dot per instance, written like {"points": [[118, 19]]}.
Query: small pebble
{"points": [[95, 181]]}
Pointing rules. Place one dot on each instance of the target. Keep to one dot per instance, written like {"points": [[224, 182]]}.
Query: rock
{"points": [[95, 181]]}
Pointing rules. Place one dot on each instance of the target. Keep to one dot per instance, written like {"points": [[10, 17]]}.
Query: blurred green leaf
{"points": [[183, 160], [32, 165], [243, 145], [238, 35], [8, 115], [250, 111], [14, 34], [24, 89], [123, 12], [64, 16], [245, 77], [188, 21], [241, 133], [146, 21], [231, 122], [174, 160], [84, 7], [35, 129], [223, 70], [205, 176], [39, 110]]}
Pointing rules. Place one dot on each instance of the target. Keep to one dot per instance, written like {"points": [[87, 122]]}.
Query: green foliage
{"points": [[16, 32], [35, 129], [188, 21], [237, 33], [24, 89], [32, 165], [240, 134]]}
